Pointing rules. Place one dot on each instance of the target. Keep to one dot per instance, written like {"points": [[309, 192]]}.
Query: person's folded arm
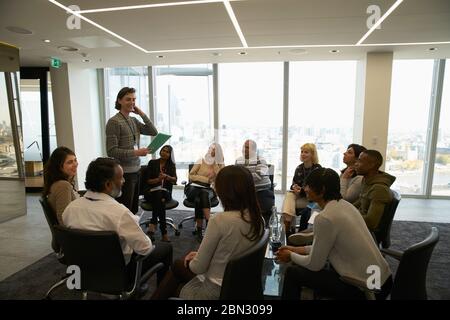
{"points": [[147, 128], [380, 198], [63, 196], [200, 264], [193, 176], [112, 142], [324, 238], [129, 230]]}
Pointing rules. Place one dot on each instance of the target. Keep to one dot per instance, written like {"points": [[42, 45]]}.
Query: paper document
{"points": [[198, 185], [314, 214], [158, 142]]}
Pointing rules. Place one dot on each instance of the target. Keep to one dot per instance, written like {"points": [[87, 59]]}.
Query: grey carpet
{"points": [[33, 281]]}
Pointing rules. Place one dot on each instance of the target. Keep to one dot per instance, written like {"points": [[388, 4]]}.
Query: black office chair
{"points": [[147, 206], [242, 279], [410, 278], [382, 233], [190, 204], [99, 256], [50, 216], [266, 210]]}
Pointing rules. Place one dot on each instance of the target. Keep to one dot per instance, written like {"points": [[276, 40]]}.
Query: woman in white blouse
{"points": [[342, 247], [229, 234], [350, 181]]}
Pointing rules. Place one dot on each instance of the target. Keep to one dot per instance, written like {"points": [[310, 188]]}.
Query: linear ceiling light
{"points": [[235, 22], [300, 46], [77, 14], [392, 8], [154, 5]]}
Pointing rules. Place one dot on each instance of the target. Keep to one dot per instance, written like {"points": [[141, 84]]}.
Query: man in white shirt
{"points": [[99, 211]]}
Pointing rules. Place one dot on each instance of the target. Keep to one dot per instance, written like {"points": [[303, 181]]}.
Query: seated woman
{"points": [[229, 234], [296, 197], [350, 181], [203, 174], [59, 174], [342, 238], [160, 176], [256, 164]]}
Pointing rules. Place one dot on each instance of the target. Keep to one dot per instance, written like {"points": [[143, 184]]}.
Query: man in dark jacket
{"points": [[375, 193]]}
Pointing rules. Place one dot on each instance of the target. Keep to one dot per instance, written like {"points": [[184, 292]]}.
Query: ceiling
{"points": [[203, 31]]}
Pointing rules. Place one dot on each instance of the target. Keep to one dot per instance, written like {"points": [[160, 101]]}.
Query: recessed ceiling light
{"points": [[160, 57], [432, 49], [216, 54], [46, 41], [86, 60], [334, 51], [298, 51], [67, 48], [19, 30], [242, 53]]}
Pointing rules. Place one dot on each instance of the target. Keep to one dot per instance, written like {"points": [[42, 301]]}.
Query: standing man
{"points": [[123, 143]]}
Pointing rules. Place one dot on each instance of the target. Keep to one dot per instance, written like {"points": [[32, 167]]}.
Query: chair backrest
{"points": [[410, 278], [99, 256], [242, 279], [141, 182], [50, 216], [383, 231], [271, 173]]}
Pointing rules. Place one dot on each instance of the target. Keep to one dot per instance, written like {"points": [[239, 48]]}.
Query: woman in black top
{"points": [[296, 197], [160, 176]]}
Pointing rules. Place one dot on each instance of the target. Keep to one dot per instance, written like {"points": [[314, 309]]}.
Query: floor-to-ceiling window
{"points": [[408, 124], [321, 111], [251, 107], [441, 177], [8, 163], [183, 98]]}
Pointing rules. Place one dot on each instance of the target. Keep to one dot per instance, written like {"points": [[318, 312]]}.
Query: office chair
{"points": [[147, 206], [382, 233], [214, 201], [242, 279], [52, 221], [410, 278], [99, 256]]}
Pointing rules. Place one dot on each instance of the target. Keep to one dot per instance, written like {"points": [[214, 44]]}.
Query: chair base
{"points": [[56, 285], [169, 222]]}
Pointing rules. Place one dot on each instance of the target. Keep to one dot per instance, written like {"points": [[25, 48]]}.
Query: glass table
{"points": [[273, 272]]}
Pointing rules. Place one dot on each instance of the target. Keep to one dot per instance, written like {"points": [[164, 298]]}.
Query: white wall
{"points": [[75, 98]]}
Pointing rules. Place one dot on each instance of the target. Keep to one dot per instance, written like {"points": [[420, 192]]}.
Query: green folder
{"points": [[158, 142]]}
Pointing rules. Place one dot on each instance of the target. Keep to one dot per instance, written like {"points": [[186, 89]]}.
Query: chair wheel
{"points": [[180, 226], [177, 233]]}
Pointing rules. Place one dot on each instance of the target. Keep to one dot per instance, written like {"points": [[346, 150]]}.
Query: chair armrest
{"points": [[393, 253], [152, 271], [361, 285], [354, 282]]}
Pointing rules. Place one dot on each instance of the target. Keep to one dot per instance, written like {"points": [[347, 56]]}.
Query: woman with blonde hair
{"points": [[296, 197]]}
